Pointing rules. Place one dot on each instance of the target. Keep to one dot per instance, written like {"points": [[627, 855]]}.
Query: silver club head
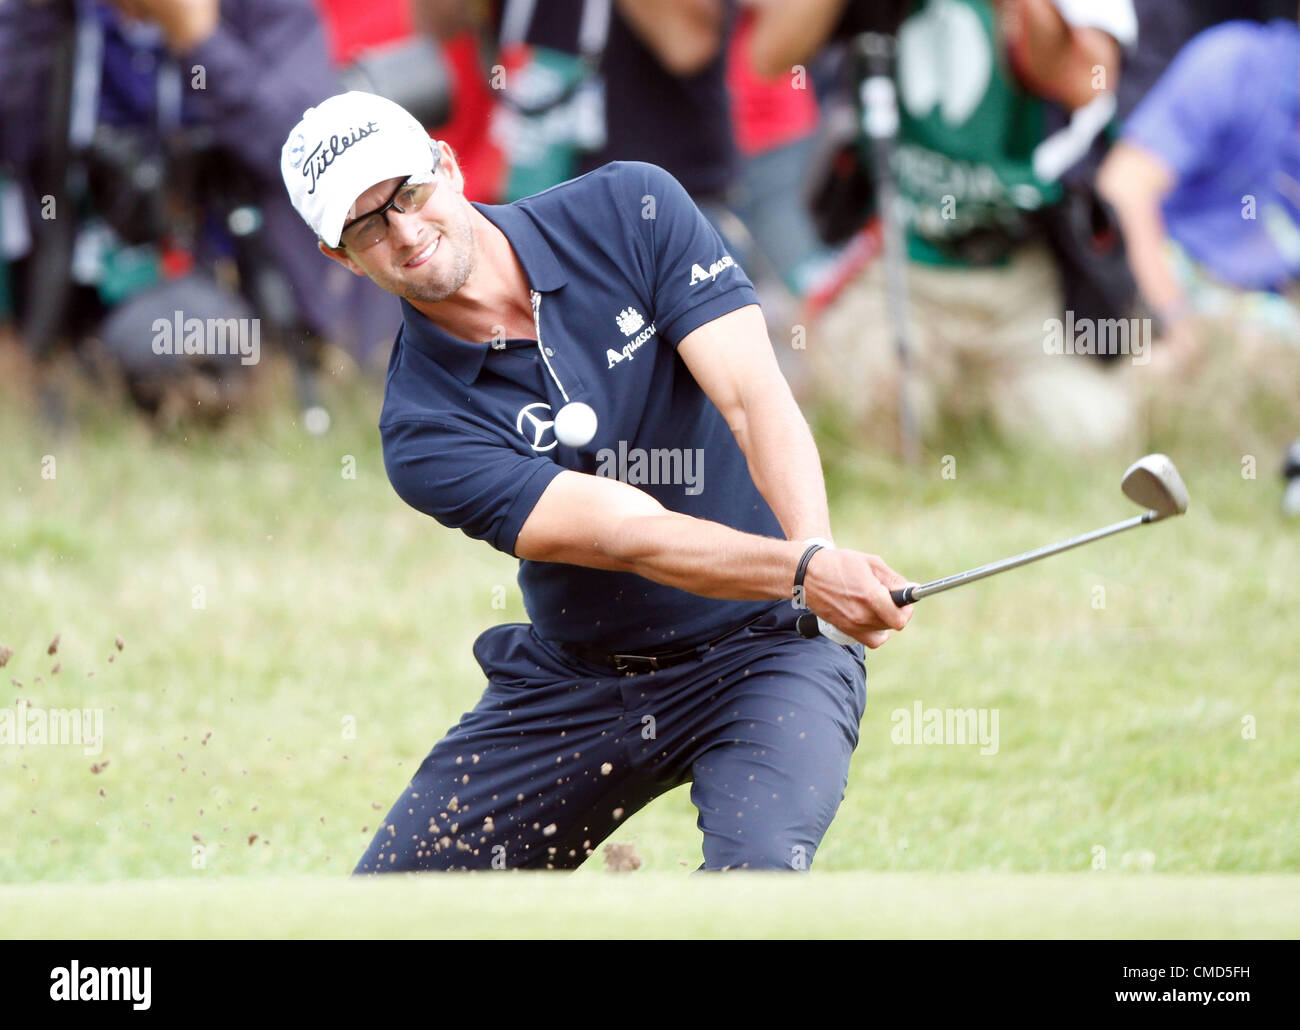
{"points": [[1154, 483]]}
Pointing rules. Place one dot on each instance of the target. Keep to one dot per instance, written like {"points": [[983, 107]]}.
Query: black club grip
{"points": [[903, 596], [806, 626]]}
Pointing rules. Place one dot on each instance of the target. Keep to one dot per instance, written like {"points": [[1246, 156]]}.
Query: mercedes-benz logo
{"points": [[539, 427]]}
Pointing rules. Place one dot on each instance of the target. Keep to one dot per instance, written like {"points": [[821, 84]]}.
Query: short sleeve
{"points": [[693, 277], [465, 478], [1190, 114]]}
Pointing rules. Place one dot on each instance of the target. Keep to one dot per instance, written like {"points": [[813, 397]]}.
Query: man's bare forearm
{"points": [[731, 358], [1145, 237], [789, 32], [685, 35], [708, 558], [1136, 184], [784, 464], [605, 524], [1056, 60]]}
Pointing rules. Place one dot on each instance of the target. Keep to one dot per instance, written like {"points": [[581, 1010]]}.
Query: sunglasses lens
{"points": [[364, 234], [414, 197]]}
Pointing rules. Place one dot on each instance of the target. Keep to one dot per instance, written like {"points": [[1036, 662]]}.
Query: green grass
{"points": [[328, 603], [556, 907]]}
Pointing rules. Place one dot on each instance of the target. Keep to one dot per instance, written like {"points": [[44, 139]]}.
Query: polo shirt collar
{"points": [[462, 358], [540, 263]]}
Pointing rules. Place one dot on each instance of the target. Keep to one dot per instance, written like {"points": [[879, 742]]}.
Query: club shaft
{"points": [[915, 593]]}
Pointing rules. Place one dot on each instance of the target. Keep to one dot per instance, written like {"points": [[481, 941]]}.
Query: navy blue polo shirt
{"points": [[623, 267]]}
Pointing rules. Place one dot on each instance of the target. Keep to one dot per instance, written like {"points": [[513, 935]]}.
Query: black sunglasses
{"points": [[365, 231]]}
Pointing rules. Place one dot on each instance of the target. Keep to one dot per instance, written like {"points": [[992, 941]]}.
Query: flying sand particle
{"points": [[621, 858]]}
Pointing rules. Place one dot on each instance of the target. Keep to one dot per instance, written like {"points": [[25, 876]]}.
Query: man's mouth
{"points": [[425, 254]]}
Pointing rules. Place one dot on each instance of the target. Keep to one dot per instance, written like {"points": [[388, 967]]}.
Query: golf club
{"points": [[1152, 482]]}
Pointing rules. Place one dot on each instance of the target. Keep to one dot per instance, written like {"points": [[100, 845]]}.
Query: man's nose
{"points": [[403, 229]]}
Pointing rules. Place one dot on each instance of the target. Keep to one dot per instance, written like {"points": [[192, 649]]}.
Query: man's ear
{"points": [[451, 165], [340, 255]]}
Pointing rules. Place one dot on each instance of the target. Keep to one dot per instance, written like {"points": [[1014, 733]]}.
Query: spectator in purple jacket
{"points": [[243, 70], [1206, 184]]}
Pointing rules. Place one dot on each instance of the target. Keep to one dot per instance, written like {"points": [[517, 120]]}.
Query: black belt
{"points": [[634, 664]]}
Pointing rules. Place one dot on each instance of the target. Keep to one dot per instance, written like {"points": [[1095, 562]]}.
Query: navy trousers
{"points": [[559, 752]]}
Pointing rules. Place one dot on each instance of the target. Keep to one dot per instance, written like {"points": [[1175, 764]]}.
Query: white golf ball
{"points": [[575, 424]]}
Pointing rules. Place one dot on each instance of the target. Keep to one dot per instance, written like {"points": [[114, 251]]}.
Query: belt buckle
{"points": [[622, 663]]}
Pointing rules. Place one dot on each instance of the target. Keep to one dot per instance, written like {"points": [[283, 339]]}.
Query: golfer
{"points": [[667, 547]]}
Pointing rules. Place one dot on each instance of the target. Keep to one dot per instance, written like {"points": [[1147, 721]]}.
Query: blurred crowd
{"points": [[1019, 209]]}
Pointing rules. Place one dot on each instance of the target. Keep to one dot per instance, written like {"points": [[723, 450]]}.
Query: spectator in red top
{"points": [[774, 120], [355, 26]]}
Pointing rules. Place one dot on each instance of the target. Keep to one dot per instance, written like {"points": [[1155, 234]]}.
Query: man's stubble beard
{"points": [[464, 254]]}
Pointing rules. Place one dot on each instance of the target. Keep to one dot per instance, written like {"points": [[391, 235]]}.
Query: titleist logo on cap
{"points": [[319, 160]]}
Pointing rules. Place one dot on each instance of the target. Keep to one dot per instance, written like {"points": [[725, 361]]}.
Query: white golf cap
{"points": [[343, 147]]}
